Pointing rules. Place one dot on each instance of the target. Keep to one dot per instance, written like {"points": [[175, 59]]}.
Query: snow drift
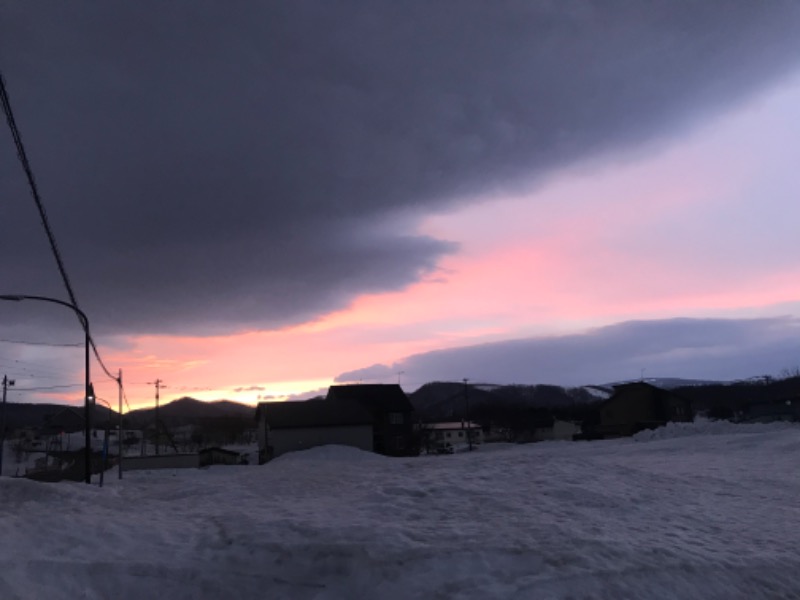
{"points": [[686, 516]]}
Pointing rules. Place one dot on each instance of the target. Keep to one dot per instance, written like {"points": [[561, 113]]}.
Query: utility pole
{"points": [[6, 382], [466, 403], [119, 432], [159, 384]]}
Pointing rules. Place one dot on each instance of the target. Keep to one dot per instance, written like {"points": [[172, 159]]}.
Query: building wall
{"points": [[561, 430], [636, 407], [394, 433], [621, 414], [214, 457], [282, 441], [162, 461], [261, 433], [441, 438]]}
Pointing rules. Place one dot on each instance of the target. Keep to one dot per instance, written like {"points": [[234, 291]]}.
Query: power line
{"points": [[6, 101], [125, 396], [40, 372], [23, 157], [100, 361], [49, 387], [25, 343]]}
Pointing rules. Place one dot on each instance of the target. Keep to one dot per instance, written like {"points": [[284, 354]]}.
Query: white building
{"points": [[445, 438], [561, 430]]}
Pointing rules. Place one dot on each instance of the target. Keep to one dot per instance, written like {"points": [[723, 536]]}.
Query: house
{"points": [[288, 426], [785, 409], [558, 430], [67, 420], [378, 418], [392, 415], [444, 438], [162, 461], [637, 406]]}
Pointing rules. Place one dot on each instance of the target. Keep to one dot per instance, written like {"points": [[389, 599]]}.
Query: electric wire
{"points": [[45, 387], [23, 157], [54, 345]]}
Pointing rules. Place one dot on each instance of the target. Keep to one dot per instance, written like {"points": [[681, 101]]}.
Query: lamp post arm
{"points": [[20, 297], [88, 392]]}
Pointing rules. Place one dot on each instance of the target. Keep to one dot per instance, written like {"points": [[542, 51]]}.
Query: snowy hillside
{"points": [[709, 511]]}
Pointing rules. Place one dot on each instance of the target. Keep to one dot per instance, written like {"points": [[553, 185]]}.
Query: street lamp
{"points": [[88, 398]]}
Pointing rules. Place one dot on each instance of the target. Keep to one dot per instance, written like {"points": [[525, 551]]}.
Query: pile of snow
{"points": [[695, 517], [330, 452], [701, 426]]}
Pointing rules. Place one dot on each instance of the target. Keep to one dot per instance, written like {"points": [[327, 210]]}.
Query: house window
{"points": [[396, 418]]}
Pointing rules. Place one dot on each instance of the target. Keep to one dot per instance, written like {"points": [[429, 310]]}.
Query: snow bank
{"points": [[711, 517], [702, 426], [330, 452]]}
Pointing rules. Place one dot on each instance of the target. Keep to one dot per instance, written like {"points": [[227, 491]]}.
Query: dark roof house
{"points": [[312, 413], [392, 415], [783, 409], [377, 418], [288, 426], [639, 405], [383, 397], [67, 420]]}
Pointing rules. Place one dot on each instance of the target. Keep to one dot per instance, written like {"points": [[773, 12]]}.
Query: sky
{"points": [[256, 200]]}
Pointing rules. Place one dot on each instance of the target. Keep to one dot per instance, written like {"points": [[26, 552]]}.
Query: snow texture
{"points": [[676, 513]]}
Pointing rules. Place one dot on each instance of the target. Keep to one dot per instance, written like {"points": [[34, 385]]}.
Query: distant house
{"points": [[377, 418], [392, 415], [162, 461], [559, 430], [444, 438], [786, 409], [637, 406], [288, 426], [67, 420]]}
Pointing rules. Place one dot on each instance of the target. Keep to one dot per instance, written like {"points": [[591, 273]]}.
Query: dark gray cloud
{"points": [[210, 166], [722, 349]]}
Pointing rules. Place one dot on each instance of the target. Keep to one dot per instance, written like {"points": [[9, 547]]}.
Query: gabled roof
{"points": [[67, 419], [636, 384], [384, 397], [312, 413], [659, 395]]}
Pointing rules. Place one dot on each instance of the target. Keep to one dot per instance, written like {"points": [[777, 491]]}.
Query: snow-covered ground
{"points": [[707, 511]]}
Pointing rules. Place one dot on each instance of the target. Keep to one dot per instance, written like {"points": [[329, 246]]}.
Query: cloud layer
{"points": [[719, 349], [212, 167]]}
